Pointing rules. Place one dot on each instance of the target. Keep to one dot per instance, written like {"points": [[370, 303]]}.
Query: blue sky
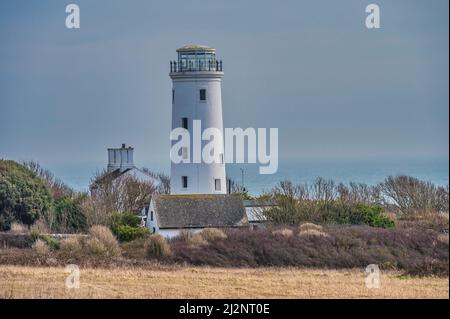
{"points": [[334, 88]]}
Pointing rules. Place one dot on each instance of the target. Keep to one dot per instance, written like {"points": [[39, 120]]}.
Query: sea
{"points": [[299, 171]]}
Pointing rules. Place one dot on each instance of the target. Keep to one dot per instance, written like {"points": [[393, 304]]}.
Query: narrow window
{"points": [[154, 230], [151, 215], [202, 94], [217, 185], [184, 181], [173, 96], [184, 123]]}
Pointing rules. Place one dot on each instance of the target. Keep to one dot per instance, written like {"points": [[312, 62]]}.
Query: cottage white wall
{"points": [[187, 104], [172, 232]]}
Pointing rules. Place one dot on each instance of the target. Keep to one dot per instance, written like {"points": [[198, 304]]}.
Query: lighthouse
{"points": [[197, 100]]}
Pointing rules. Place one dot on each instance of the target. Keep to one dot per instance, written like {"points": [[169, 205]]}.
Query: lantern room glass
{"points": [[197, 61]]}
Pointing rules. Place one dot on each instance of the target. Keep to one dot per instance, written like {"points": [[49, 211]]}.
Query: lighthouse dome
{"points": [[195, 47]]}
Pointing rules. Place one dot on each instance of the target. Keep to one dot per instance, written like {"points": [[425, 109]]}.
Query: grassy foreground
{"points": [[205, 282]]}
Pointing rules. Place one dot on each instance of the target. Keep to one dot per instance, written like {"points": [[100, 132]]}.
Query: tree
{"points": [[24, 197], [68, 214], [409, 193], [120, 194], [57, 188]]}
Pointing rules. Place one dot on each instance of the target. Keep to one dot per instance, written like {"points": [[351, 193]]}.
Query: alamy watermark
{"points": [[239, 146], [373, 280], [73, 279]]}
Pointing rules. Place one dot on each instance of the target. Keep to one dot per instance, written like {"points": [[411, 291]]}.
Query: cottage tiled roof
{"points": [[193, 211]]}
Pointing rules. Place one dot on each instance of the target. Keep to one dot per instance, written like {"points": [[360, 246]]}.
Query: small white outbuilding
{"points": [[168, 215]]}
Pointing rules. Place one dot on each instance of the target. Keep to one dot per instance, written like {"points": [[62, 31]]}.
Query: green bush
{"points": [[24, 197], [373, 217], [51, 242], [69, 216], [125, 227], [125, 218], [129, 233], [291, 211]]}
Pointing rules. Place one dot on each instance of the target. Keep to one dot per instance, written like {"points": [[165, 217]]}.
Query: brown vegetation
{"points": [[205, 282]]}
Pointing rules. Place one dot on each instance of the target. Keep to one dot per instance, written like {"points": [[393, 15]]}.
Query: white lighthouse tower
{"points": [[196, 95]]}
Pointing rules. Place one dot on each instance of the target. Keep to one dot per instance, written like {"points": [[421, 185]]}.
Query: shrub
{"points": [[24, 197], [39, 227], [372, 216], [126, 226], [18, 228], [307, 226], [71, 245], [128, 233], [95, 247], [184, 236], [286, 232], [409, 193], [408, 250], [156, 247], [425, 219], [40, 247], [443, 238], [312, 232], [210, 234], [68, 214], [125, 218], [102, 236], [8, 239], [197, 240], [51, 242]]}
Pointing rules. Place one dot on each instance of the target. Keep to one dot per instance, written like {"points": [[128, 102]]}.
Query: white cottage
{"points": [[121, 166], [168, 215]]}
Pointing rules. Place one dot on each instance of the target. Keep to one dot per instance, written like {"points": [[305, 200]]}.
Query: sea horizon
{"points": [[305, 170]]}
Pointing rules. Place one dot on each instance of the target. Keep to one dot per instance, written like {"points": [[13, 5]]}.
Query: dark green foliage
{"points": [[125, 226], [293, 212], [69, 215], [125, 218], [8, 239], [128, 233], [24, 197]]}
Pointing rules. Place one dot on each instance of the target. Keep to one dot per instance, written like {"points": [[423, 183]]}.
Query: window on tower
{"points": [[217, 185], [184, 123], [173, 96], [184, 180], [202, 94]]}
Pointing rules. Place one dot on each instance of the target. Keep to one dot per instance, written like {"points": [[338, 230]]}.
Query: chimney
{"points": [[120, 158]]}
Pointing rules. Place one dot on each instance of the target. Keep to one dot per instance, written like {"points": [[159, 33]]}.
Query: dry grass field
{"points": [[205, 282]]}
